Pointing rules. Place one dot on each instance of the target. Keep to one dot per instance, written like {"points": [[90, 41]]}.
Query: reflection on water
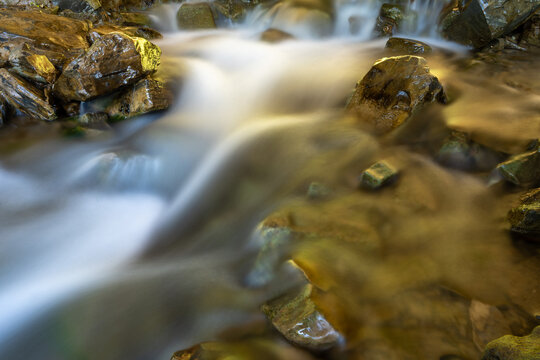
{"points": [[137, 246]]}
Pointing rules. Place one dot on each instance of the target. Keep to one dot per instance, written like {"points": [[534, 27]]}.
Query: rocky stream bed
{"points": [[294, 179]]}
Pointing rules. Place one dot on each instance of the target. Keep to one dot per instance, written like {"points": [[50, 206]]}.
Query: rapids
{"points": [[136, 245]]}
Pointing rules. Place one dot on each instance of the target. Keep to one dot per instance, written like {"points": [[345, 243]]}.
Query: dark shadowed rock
{"points": [[477, 22], [407, 46], [296, 316], [113, 61], [531, 32], [78, 5], [511, 347], [24, 97], [522, 169], [525, 218], [146, 96], [3, 112], [393, 90], [195, 16], [244, 350], [232, 9], [45, 31]]}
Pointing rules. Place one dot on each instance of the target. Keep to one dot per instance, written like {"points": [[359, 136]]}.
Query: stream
{"points": [[135, 245]]}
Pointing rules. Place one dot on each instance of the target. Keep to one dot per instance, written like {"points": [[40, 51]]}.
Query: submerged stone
{"points": [[316, 190], [113, 61], [378, 175], [477, 22], [511, 347], [24, 97], [297, 318], [522, 169], [242, 350], [275, 36], [407, 46], [146, 96], [525, 218], [394, 89], [195, 16]]}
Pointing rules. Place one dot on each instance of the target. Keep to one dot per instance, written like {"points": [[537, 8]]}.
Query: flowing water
{"points": [[138, 244]]}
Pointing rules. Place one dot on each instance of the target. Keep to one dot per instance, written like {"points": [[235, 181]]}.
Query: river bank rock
{"points": [[525, 218], [195, 16], [523, 169], [298, 319], [113, 61], [393, 90], [146, 96], [24, 97], [407, 46], [477, 22], [514, 348], [49, 33]]}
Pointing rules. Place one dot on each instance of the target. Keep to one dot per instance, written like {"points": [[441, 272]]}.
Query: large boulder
{"points": [[511, 347], [24, 97], [195, 16], [47, 32], [113, 61], [477, 22], [393, 90]]}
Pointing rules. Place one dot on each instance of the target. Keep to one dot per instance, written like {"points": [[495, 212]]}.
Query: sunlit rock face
{"points": [[57, 37], [24, 97], [477, 22], [393, 90], [112, 61], [514, 348]]}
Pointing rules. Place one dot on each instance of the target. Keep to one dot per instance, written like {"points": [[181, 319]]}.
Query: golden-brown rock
{"points": [[113, 61]]}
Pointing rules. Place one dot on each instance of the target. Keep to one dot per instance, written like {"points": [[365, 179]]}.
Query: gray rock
{"points": [[113, 61], [78, 5], [522, 169], [24, 97], [298, 319], [477, 22], [195, 16], [393, 90]]}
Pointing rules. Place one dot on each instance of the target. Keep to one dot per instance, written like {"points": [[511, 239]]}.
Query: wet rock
{"points": [[511, 347], [113, 61], [522, 169], [89, 124], [231, 9], [393, 90], [297, 318], [146, 96], [531, 32], [144, 32], [51, 33], [391, 18], [477, 22], [78, 5], [525, 218], [378, 175], [195, 16], [32, 66], [24, 97], [33, 3], [275, 36], [244, 350], [303, 18], [3, 112], [407, 46], [459, 151]]}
